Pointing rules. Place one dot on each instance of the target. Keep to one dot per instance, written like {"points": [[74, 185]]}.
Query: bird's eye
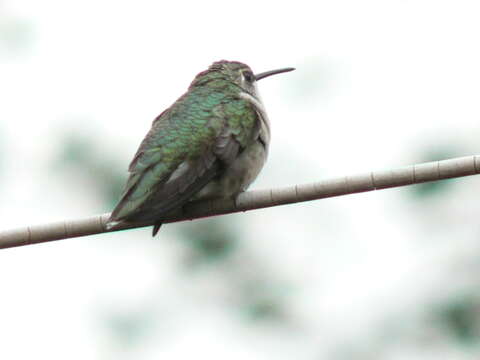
{"points": [[248, 76]]}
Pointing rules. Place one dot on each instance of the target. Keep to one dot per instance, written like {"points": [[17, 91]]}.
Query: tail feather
{"points": [[112, 224], [156, 227]]}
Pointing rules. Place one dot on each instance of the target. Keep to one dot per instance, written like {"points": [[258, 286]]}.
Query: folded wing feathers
{"points": [[172, 189]]}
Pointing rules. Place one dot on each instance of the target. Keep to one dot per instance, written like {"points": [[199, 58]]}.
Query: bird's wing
{"points": [[181, 154]]}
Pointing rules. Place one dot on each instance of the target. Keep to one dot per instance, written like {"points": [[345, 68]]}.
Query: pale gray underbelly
{"points": [[238, 176]]}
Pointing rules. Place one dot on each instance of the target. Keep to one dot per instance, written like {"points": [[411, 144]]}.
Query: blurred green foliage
{"points": [[207, 241], [129, 329], [430, 189], [462, 319], [85, 156], [265, 303], [217, 243]]}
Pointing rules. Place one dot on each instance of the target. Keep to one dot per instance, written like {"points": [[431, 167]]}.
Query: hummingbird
{"points": [[211, 143]]}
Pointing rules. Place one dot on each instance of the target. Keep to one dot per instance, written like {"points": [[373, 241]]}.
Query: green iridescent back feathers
{"points": [[189, 144]]}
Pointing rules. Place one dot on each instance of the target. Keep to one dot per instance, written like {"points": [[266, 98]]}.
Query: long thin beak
{"points": [[272, 72]]}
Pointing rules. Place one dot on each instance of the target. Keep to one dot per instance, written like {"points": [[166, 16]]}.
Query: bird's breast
{"points": [[238, 176]]}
